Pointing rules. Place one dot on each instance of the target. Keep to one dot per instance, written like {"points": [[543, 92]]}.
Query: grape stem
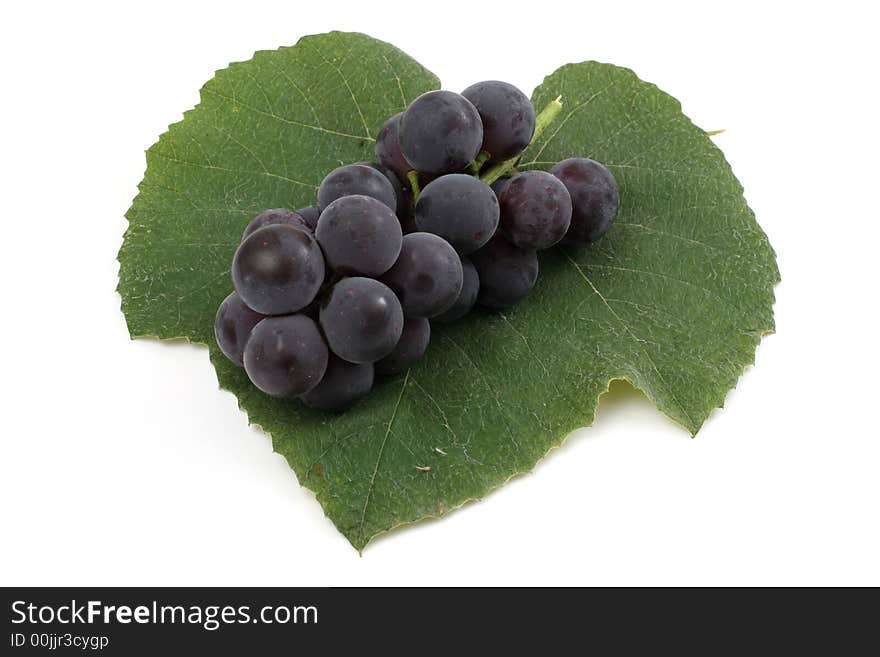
{"points": [[477, 164], [413, 177], [544, 119]]}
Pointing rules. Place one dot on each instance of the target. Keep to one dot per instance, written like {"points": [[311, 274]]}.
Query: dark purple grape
{"points": [[507, 115], [273, 217], [395, 183], [594, 198], [362, 320], [359, 235], [399, 194], [461, 209], [440, 132], [310, 216], [343, 385], [410, 348], [470, 287], [507, 273], [535, 210], [427, 276], [285, 356], [499, 186], [356, 179], [232, 327], [278, 269], [388, 152]]}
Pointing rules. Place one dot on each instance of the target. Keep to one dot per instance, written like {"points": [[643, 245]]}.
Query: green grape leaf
{"points": [[674, 299]]}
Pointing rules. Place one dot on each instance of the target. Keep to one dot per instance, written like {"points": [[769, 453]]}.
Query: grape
{"points": [[395, 183], [507, 115], [470, 287], [362, 320], [310, 216], [499, 186], [402, 193], [594, 198], [507, 273], [359, 235], [343, 385], [388, 152], [278, 269], [440, 132], [399, 195], [410, 348], [273, 217], [461, 209], [535, 210], [232, 327], [427, 276], [356, 179], [285, 356]]}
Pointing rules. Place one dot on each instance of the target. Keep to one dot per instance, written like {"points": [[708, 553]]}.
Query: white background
{"points": [[122, 462]]}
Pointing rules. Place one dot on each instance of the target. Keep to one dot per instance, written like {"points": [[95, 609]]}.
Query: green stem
{"points": [[413, 178], [477, 164], [545, 118]]}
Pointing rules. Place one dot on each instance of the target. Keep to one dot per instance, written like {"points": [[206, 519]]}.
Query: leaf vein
{"points": [[568, 116], [354, 99], [489, 387], [654, 231], [455, 440], [304, 96], [372, 483], [209, 167], [284, 119], [644, 272], [638, 341], [397, 78]]}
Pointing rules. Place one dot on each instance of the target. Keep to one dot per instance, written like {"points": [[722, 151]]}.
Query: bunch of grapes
{"points": [[329, 296]]}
